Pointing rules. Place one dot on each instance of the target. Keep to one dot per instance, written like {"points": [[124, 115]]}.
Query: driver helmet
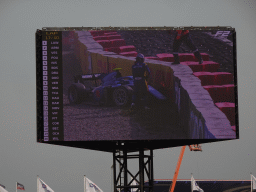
{"points": [[140, 58]]}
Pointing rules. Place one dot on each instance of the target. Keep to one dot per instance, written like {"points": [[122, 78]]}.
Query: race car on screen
{"points": [[113, 88]]}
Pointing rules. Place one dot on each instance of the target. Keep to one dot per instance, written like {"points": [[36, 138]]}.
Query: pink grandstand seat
{"points": [[129, 54], [96, 38], [217, 93], [194, 66], [222, 78], [127, 48], [210, 66], [104, 43], [110, 37], [230, 92], [229, 110], [186, 57], [206, 78], [165, 57], [111, 33], [117, 42], [205, 57]]}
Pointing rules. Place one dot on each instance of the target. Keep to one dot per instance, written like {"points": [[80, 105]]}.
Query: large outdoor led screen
{"points": [[136, 84]]}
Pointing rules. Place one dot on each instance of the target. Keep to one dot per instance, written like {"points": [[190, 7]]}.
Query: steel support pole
{"points": [[125, 170], [114, 170], [141, 169], [120, 166], [151, 180]]}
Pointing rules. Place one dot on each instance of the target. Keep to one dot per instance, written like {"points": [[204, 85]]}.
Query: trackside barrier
{"points": [[200, 117]]}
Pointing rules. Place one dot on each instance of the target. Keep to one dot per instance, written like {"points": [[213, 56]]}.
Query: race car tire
{"points": [[76, 93], [122, 96], [107, 95]]}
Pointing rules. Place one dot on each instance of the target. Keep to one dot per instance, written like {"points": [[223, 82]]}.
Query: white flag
{"points": [[2, 189], [195, 186], [253, 182], [134, 183], [90, 186], [43, 187]]}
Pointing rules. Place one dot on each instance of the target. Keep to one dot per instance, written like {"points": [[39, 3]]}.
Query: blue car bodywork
{"points": [[113, 88]]}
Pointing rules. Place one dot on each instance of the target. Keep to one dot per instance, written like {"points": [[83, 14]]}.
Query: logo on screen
{"points": [[222, 33], [44, 186]]}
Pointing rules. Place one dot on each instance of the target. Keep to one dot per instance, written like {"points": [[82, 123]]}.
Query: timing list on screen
{"points": [[52, 86]]}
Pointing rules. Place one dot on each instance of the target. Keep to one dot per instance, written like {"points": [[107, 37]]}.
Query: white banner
{"points": [[90, 186], [2, 189], [195, 186], [253, 180], [43, 187], [134, 183]]}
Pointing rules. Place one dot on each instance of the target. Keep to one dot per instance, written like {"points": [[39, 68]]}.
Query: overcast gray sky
{"points": [[62, 168]]}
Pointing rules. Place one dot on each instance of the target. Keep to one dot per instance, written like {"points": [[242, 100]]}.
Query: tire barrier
{"points": [[204, 97]]}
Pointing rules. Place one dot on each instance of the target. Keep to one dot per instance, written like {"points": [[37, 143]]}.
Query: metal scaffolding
{"points": [[121, 184]]}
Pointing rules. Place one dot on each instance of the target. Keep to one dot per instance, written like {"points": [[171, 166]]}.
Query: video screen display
{"points": [[136, 84]]}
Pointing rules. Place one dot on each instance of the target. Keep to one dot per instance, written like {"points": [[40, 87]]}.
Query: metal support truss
{"points": [[121, 172]]}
